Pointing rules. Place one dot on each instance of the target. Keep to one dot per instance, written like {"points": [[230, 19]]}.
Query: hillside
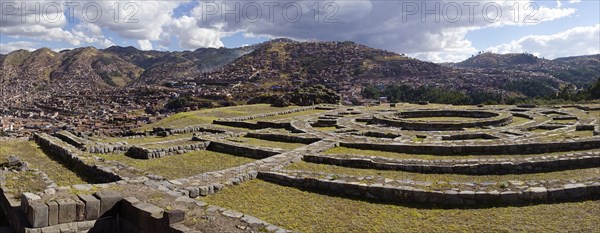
{"points": [[579, 70], [159, 66], [282, 66]]}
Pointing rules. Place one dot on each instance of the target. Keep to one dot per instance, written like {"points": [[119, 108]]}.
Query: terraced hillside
{"points": [[325, 168]]}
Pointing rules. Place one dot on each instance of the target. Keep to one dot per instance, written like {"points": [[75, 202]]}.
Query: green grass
{"points": [[395, 155], [576, 174], [565, 122], [326, 129], [518, 120], [31, 153], [442, 119], [569, 135], [204, 116], [266, 143], [21, 182], [181, 165], [289, 115], [170, 144], [143, 140], [303, 211]]}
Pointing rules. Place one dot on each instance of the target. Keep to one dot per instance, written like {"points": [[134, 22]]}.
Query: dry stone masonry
{"points": [[466, 143]]}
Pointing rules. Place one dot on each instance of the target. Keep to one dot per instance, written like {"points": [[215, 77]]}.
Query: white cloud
{"points": [[191, 36], [574, 1], [12, 46], [575, 41], [387, 25], [144, 44]]}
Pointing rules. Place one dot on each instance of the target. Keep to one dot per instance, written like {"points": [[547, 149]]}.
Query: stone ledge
{"points": [[473, 167], [407, 194]]}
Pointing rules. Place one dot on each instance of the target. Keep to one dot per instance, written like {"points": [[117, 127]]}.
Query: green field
{"points": [[30, 152], [267, 143], [289, 115], [304, 211], [204, 116], [181, 165]]}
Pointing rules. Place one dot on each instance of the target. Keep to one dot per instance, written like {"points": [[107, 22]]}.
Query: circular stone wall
{"points": [[480, 119]]}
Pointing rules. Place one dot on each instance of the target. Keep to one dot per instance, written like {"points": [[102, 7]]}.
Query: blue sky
{"points": [[559, 28]]}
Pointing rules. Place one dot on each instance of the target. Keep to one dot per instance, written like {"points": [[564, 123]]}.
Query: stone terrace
{"points": [[436, 156]]}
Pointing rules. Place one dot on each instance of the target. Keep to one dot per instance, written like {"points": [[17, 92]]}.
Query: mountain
{"points": [[282, 65], [285, 61], [88, 69], [580, 70], [159, 66]]}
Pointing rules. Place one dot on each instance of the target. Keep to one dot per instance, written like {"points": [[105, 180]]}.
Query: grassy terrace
{"points": [[204, 116], [311, 212], [22, 182], [181, 142], [394, 155], [569, 135], [182, 165], [30, 152], [144, 140], [288, 116], [441, 119], [267, 143], [326, 129], [518, 120], [578, 174]]}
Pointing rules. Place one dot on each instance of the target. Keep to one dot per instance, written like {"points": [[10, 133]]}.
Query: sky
{"points": [[432, 30]]}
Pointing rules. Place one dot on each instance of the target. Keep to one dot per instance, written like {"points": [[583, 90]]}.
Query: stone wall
{"points": [[242, 150], [447, 113], [138, 152], [495, 149], [71, 139], [193, 129], [475, 167], [468, 136], [406, 194], [101, 148], [241, 122], [105, 212], [408, 124], [69, 158], [283, 137], [252, 117]]}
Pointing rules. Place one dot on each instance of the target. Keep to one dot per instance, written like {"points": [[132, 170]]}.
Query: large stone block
{"points": [[108, 201], [52, 213], [92, 206], [79, 210], [149, 217], [173, 216], [128, 211], [37, 214], [26, 199], [67, 211], [575, 191]]}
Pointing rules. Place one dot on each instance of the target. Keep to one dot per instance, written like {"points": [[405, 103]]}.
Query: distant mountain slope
{"points": [[286, 61], [283, 65], [88, 68], [159, 66], [579, 70]]}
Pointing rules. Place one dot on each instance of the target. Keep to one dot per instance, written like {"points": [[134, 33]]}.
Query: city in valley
{"points": [[334, 116]]}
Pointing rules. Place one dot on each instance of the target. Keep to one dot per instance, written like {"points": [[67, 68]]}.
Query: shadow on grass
{"points": [[70, 165]]}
